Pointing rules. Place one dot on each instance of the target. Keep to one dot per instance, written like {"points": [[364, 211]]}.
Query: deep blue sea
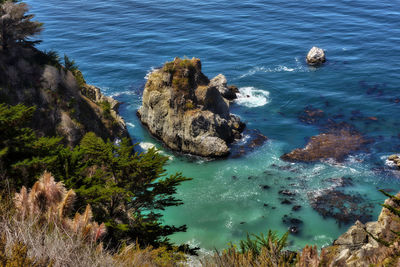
{"points": [[260, 46]]}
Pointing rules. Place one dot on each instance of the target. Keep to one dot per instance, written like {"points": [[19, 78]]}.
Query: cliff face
{"points": [[186, 110], [65, 104], [359, 246]]}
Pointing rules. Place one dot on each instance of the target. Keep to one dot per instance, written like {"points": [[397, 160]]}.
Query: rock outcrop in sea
{"points": [[316, 56], [336, 143], [395, 160], [187, 111]]}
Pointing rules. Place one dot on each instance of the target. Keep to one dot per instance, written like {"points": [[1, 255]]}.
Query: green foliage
{"points": [[126, 190], [49, 57], [271, 241], [106, 108], [16, 26], [70, 64], [79, 78], [73, 67], [23, 155], [260, 251], [179, 69]]}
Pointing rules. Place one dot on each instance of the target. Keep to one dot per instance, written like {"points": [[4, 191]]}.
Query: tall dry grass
{"points": [[36, 230]]}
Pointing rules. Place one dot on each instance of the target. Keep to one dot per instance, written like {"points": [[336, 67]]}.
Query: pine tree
{"points": [[126, 190], [23, 155], [15, 25]]}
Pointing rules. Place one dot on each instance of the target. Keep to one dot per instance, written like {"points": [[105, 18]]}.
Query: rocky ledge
{"points": [[187, 111], [370, 244]]}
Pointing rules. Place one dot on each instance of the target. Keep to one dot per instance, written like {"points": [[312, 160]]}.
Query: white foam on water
{"points": [[280, 68], [229, 223], [243, 140], [252, 97], [146, 145], [152, 69], [390, 163], [130, 124], [126, 92]]}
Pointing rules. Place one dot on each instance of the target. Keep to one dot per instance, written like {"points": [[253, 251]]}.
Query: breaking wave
{"points": [[252, 97]]}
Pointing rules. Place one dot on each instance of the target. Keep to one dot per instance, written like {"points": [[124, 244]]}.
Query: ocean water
{"points": [[260, 46]]}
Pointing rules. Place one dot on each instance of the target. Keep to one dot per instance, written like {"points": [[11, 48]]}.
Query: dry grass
{"points": [[35, 230]]}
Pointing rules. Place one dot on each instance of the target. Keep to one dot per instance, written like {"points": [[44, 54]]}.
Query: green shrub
{"points": [[106, 108], [79, 78]]}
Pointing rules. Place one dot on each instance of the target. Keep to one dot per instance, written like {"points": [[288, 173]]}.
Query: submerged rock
{"points": [[252, 140], [287, 193], [187, 111], [344, 208], [337, 143], [292, 223], [311, 115], [316, 56]]}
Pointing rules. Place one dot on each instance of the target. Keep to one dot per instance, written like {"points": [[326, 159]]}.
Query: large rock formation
{"points": [[187, 111], [316, 56], [370, 244], [65, 104]]}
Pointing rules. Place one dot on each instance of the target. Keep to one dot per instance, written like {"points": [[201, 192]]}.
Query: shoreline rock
{"points": [[187, 111], [358, 246], [395, 159]]}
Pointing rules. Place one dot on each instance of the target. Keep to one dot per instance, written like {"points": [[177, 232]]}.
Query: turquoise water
{"points": [[260, 46]]}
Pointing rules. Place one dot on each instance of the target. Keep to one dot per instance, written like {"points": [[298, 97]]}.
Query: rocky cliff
{"points": [[65, 104], [371, 244], [187, 111]]}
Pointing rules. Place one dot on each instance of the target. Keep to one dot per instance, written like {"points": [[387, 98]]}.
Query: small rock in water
{"points": [[287, 193], [395, 159], [265, 187], [296, 208], [242, 222], [293, 230], [316, 56], [286, 202]]}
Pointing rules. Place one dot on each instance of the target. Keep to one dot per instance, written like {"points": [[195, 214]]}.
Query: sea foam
{"points": [[252, 97]]}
